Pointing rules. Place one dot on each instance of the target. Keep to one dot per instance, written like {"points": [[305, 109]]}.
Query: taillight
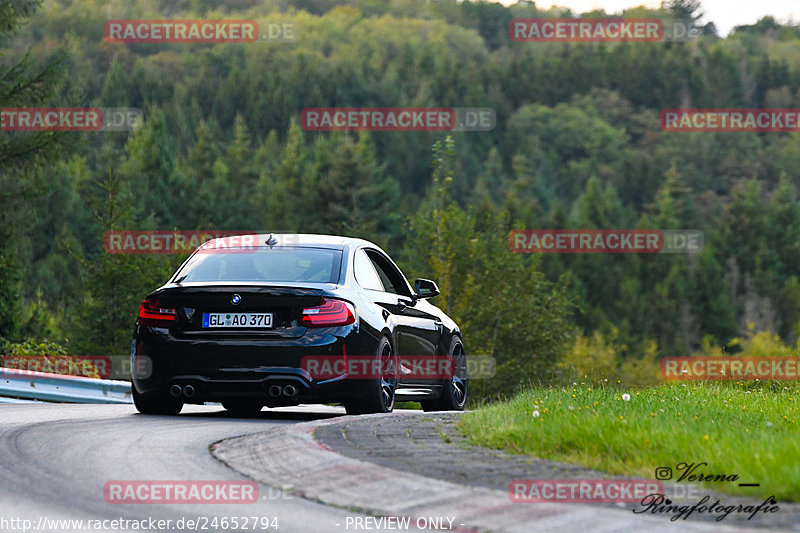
{"points": [[151, 313], [328, 313]]}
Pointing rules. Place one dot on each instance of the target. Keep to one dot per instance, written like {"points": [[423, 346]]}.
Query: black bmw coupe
{"points": [[284, 319]]}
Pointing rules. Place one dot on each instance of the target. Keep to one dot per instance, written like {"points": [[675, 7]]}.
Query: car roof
{"points": [[347, 245], [292, 239]]}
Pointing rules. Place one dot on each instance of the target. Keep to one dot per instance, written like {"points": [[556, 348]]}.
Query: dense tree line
{"points": [[577, 145]]}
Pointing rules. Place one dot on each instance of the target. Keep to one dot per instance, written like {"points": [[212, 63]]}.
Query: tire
{"points": [[155, 404], [454, 390], [243, 407], [379, 397]]}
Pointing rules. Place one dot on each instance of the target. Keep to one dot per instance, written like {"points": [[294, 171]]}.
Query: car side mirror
{"points": [[426, 288]]}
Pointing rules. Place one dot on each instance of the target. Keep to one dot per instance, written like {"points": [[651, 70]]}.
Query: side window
{"points": [[387, 283], [365, 272], [392, 279]]}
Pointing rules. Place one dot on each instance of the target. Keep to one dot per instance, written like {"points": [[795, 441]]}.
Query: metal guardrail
{"points": [[16, 400], [33, 385]]}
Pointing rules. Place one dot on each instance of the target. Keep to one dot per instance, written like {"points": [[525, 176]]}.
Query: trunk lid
{"points": [[283, 303]]}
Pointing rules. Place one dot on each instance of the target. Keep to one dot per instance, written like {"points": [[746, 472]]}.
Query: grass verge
{"points": [[747, 430]]}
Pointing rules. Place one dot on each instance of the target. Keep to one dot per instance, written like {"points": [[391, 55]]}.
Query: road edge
{"points": [[290, 459]]}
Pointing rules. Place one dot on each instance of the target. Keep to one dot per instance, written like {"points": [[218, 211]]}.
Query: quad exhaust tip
{"points": [[275, 391]]}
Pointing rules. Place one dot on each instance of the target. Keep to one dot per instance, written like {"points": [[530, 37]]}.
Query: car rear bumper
{"points": [[244, 366]]}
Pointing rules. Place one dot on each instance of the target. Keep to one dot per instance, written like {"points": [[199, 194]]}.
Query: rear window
{"points": [[318, 265]]}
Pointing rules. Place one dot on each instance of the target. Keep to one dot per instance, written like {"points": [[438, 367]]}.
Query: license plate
{"points": [[237, 320]]}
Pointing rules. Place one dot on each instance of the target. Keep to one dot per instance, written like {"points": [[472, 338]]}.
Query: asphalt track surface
{"points": [[57, 458]]}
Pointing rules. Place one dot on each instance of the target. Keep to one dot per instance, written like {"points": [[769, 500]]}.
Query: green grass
{"points": [[750, 430]]}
